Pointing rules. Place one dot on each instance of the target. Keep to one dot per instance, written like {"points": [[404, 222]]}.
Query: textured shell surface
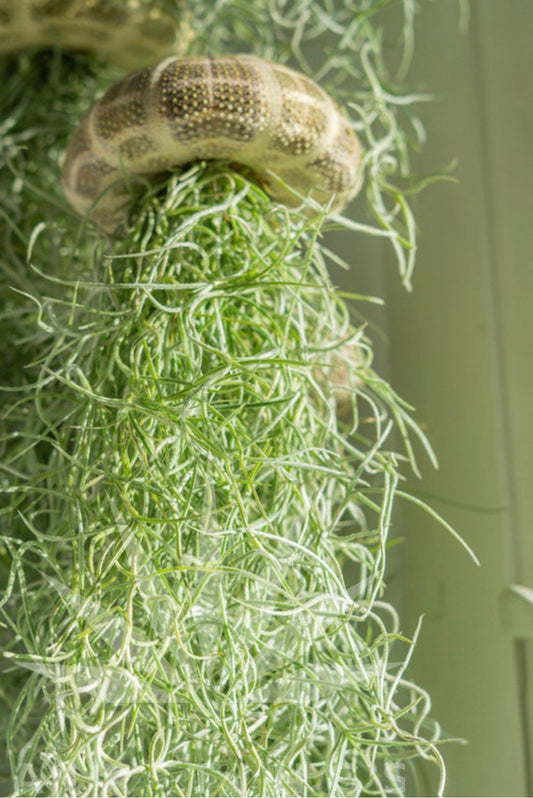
{"points": [[124, 32], [243, 108]]}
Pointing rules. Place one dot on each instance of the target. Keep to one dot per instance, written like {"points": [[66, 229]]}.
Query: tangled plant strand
{"points": [[191, 628], [179, 499]]}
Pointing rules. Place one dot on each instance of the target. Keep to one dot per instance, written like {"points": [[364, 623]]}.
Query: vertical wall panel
{"points": [[461, 351]]}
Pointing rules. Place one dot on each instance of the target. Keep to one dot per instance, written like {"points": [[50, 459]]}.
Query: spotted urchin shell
{"points": [[125, 32], [241, 108]]}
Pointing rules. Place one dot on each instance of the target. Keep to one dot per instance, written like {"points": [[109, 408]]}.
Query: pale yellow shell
{"points": [[124, 32], [240, 108]]}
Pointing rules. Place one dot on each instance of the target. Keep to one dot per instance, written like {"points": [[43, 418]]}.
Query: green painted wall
{"points": [[461, 349]]}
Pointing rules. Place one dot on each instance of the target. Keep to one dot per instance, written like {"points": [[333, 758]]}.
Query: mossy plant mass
{"points": [[182, 499]]}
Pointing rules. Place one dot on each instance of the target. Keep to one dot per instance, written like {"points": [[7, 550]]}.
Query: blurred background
{"points": [[460, 349]]}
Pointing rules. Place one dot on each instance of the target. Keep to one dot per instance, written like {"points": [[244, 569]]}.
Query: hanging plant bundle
{"points": [[196, 507], [198, 470]]}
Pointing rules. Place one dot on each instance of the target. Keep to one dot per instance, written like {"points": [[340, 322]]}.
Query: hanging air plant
{"points": [[197, 450]]}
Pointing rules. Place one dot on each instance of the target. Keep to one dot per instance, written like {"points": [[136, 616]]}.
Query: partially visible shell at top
{"points": [[124, 32]]}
